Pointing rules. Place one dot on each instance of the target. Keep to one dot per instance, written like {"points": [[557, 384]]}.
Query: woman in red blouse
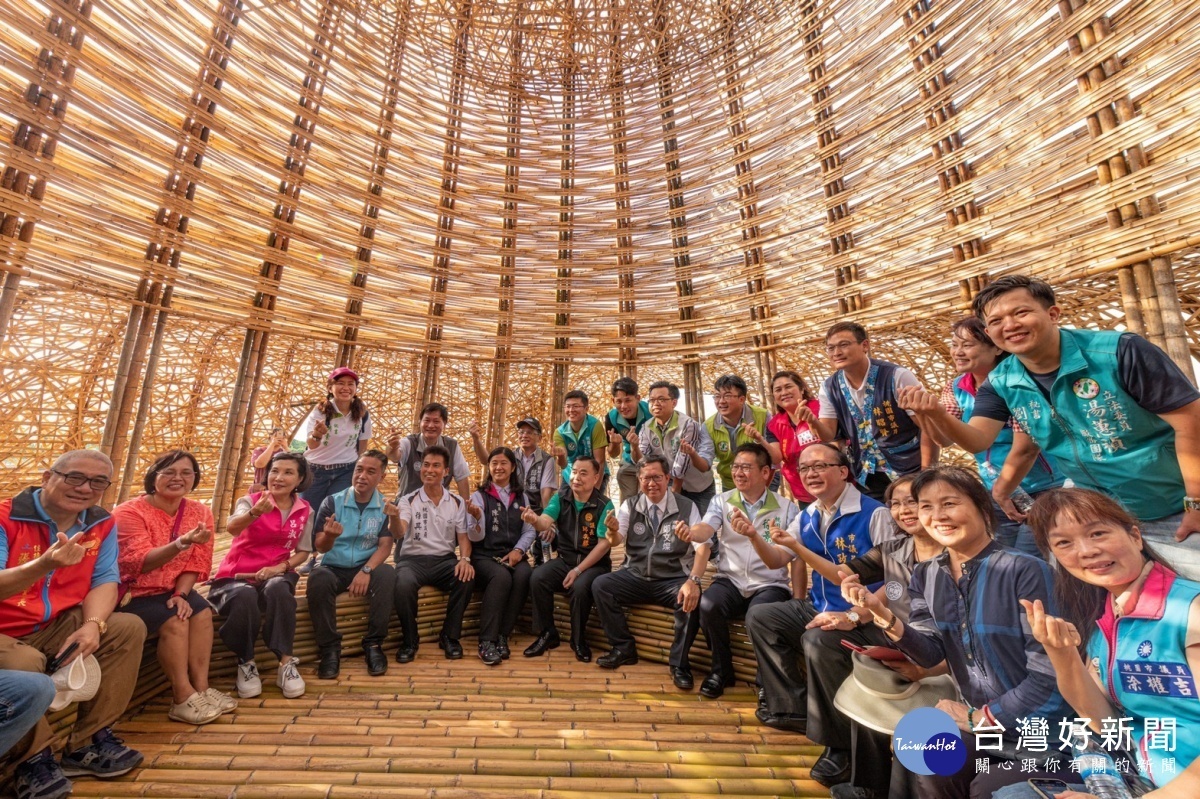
{"points": [[794, 405], [165, 549]]}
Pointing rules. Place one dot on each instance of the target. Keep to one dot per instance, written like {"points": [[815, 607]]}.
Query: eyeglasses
{"points": [[841, 346], [187, 474], [658, 400], [573, 406], [815, 467], [743, 468], [652, 478], [79, 478], [728, 395], [911, 504]]}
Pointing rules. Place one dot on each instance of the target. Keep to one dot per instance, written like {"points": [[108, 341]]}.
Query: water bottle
{"points": [[1020, 498], [1100, 774]]}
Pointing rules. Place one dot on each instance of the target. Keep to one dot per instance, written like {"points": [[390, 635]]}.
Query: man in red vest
{"points": [[58, 606]]}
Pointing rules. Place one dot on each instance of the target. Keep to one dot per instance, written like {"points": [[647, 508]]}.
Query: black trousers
{"points": [[875, 485], [777, 632], [702, 498], [437, 570], [615, 590], [722, 603], [828, 664], [547, 580], [324, 585], [504, 593], [245, 607]]}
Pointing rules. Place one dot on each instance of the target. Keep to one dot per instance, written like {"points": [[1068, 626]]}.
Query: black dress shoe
{"points": [[615, 659], [832, 767], [682, 679], [848, 791], [451, 647], [583, 653], [713, 686], [330, 663], [489, 654], [788, 722], [376, 660], [502, 647], [406, 653], [547, 640], [762, 697]]}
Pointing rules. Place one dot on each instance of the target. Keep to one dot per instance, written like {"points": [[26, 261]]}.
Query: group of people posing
{"points": [[848, 551]]}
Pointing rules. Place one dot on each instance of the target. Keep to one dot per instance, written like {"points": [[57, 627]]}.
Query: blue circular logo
{"points": [[1145, 649], [927, 741]]}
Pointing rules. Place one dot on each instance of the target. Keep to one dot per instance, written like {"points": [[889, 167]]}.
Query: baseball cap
{"points": [[343, 371], [531, 422]]}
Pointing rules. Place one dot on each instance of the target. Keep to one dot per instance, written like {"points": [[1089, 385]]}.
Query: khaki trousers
{"points": [[119, 655]]}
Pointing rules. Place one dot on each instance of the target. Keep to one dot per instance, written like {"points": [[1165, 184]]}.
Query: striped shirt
{"points": [[978, 627]]}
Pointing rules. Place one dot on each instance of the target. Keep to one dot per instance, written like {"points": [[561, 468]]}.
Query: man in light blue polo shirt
{"points": [[354, 531]]}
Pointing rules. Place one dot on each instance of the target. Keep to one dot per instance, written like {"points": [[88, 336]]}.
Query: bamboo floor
{"points": [[546, 727]]}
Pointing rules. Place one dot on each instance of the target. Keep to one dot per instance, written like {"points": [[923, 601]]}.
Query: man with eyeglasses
{"points": [[859, 405], [48, 607], [661, 567], [580, 436], [736, 422], [751, 570], [840, 526], [684, 443]]}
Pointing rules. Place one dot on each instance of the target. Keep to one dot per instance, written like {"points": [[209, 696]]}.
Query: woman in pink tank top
{"points": [[255, 585]]}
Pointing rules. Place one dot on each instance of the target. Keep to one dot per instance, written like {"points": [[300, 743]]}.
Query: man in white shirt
{"points": [[430, 522]]}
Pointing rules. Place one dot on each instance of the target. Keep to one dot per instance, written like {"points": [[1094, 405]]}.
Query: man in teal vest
{"points": [[1112, 410], [581, 436], [623, 423], [736, 422]]}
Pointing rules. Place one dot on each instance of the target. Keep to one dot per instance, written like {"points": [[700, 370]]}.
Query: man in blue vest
{"points": [[859, 406], [1112, 410], [354, 531], [623, 423]]}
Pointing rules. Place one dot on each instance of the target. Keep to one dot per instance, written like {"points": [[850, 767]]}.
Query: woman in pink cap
{"points": [[337, 432]]}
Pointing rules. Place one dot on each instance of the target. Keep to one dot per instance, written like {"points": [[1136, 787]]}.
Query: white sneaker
{"points": [[248, 683], [289, 679], [196, 709], [222, 701]]}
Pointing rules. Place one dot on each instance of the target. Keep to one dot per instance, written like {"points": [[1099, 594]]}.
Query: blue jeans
{"points": [[1182, 556], [24, 698], [1016, 535], [1022, 790], [327, 481]]}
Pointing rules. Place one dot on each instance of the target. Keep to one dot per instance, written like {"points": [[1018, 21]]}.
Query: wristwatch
{"points": [[852, 616], [694, 579], [101, 623], [1191, 503], [366, 570], [889, 626]]}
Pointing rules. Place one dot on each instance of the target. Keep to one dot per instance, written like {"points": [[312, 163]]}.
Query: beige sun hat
{"points": [[878, 697], [78, 681]]}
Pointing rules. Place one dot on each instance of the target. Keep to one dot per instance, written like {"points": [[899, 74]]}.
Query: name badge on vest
{"points": [[587, 529]]}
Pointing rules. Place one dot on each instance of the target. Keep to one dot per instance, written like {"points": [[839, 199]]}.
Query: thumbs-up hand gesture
{"points": [[687, 449], [805, 414], [394, 437], [474, 510], [64, 552], [614, 436], [333, 528], [391, 509], [560, 452], [528, 516], [320, 429], [740, 523], [752, 432], [475, 430], [264, 505]]}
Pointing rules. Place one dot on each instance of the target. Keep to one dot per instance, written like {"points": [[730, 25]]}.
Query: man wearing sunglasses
{"points": [[48, 604]]}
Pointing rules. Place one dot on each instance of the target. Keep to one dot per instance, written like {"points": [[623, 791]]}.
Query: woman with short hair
{"points": [[165, 543]]}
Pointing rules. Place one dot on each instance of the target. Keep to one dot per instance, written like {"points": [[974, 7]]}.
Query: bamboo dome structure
{"points": [[207, 204]]}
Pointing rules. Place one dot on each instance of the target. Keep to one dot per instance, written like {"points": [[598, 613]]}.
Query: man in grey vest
{"points": [[661, 567], [406, 451]]}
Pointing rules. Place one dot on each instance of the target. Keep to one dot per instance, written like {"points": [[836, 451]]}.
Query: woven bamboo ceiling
{"points": [[206, 203]]}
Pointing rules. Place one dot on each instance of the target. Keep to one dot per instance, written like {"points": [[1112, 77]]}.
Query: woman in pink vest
{"points": [[255, 585], [165, 549]]}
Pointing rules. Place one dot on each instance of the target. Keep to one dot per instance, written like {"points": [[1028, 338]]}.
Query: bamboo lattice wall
{"points": [[208, 203]]}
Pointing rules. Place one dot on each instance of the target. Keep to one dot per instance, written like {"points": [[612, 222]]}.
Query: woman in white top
{"points": [[337, 431]]}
